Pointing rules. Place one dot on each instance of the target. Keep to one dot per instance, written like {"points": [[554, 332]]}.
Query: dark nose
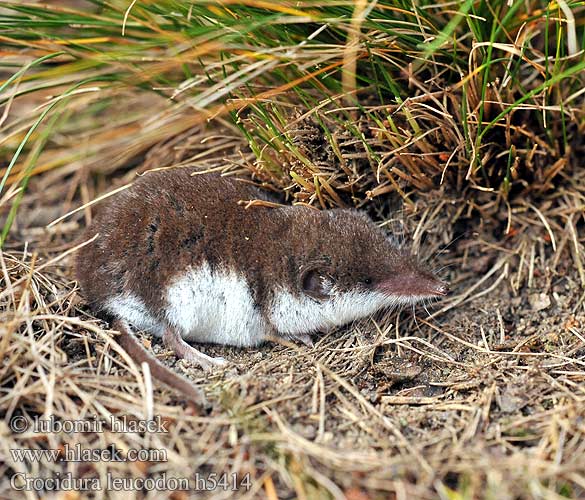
{"points": [[442, 288]]}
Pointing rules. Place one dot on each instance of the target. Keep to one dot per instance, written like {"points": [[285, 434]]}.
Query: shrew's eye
{"points": [[367, 281]]}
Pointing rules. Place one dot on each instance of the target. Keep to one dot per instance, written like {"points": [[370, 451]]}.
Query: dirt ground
{"points": [[481, 395]]}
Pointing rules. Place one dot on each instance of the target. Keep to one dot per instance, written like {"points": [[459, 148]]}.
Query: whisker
{"points": [[425, 308], [434, 256], [414, 316], [437, 271], [448, 245]]}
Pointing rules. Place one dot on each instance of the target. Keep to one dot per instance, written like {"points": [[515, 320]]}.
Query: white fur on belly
{"points": [[215, 307], [133, 310], [293, 315]]}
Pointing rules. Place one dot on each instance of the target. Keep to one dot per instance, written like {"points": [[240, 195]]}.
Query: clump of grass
{"points": [[473, 96]]}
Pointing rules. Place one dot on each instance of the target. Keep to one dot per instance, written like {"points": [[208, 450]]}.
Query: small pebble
{"points": [[539, 301]]}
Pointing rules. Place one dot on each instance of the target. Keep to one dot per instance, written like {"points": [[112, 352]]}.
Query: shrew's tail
{"points": [[164, 374]]}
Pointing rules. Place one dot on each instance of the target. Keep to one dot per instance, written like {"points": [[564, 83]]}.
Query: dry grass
{"points": [[485, 398]]}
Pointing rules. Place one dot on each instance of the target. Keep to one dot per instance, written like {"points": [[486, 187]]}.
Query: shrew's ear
{"points": [[315, 282]]}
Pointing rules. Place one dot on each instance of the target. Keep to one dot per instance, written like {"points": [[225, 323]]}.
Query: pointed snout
{"points": [[414, 284], [442, 288], [426, 286]]}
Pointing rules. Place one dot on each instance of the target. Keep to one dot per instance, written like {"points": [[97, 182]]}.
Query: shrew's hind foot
{"points": [[173, 341]]}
